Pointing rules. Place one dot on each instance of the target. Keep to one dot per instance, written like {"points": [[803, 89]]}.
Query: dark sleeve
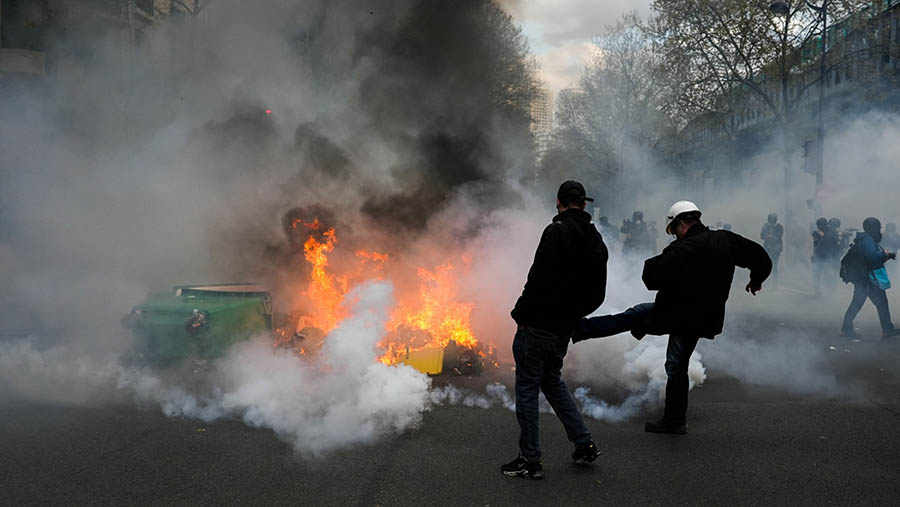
{"points": [[779, 231], [751, 255], [661, 271], [597, 289], [762, 233]]}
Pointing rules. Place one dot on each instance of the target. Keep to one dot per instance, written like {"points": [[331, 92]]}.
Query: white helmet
{"points": [[679, 208]]}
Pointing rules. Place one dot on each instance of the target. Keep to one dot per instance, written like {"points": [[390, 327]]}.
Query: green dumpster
{"points": [[199, 321]]}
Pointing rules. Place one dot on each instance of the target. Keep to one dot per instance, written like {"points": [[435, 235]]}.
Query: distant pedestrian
{"points": [[636, 240], [566, 282], [864, 268], [771, 236], [652, 238], [825, 248], [609, 231], [835, 225], [693, 277]]}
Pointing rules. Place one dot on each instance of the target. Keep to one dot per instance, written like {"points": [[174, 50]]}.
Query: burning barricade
{"points": [[429, 328]]}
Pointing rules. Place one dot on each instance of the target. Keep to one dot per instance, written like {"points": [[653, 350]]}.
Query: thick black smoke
{"points": [[448, 87]]}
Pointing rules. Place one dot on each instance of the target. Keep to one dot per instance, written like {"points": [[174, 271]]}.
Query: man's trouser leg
{"points": [[879, 299], [559, 396], [773, 254], [678, 357], [611, 325], [529, 352], [860, 293]]}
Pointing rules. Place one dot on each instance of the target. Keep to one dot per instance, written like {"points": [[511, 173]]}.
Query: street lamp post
{"points": [[820, 134], [783, 8]]}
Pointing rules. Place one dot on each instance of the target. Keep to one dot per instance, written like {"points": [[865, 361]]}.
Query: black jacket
{"points": [[567, 280], [693, 276]]}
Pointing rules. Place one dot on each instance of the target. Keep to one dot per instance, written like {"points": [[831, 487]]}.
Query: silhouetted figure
{"points": [[652, 237], [693, 277], [823, 259], [636, 236], [566, 282], [771, 236], [609, 231]]}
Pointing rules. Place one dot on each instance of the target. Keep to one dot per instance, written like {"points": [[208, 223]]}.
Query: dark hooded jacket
{"points": [[693, 276], [567, 279]]}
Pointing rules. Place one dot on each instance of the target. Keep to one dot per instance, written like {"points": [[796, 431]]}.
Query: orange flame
{"points": [[428, 319], [322, 291], [438, 315]]}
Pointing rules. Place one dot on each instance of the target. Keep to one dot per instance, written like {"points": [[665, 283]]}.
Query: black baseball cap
{"points": [[572, 190]]}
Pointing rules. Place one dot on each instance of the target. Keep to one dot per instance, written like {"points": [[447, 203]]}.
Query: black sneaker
{"points": [[585, 453], [893, 334], [850, 334], [663, 426], [521, 467]]}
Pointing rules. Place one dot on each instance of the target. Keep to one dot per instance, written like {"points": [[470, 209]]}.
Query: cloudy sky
{"points": [[560, 32]]}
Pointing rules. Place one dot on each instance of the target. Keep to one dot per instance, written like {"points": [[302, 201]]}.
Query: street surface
{"points": [[747, 445]]}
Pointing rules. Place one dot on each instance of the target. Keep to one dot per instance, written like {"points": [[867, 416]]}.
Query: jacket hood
{"points": [[573, 213]]}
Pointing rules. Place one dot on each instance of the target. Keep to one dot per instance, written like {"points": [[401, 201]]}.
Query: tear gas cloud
{"points": [[156, 164]]}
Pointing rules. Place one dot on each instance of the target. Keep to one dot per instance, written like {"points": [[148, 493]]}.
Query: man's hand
{"points": [[891, 255], [753, 288]]}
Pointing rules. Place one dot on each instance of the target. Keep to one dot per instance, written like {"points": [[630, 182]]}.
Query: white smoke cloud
{"points": [[345, 397]]}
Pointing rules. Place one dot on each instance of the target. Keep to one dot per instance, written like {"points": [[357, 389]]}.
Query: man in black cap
{"points": [[867, 255], [566, 282]]}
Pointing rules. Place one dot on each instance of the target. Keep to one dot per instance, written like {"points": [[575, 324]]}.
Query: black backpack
{"points": [[852, 267]]}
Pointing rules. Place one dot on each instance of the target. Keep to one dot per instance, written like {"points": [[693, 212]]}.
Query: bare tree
{"points": [[621, 107], [731, 55]]}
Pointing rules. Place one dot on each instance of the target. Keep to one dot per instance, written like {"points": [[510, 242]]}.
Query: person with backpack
{"points": [[566, 282], [863, 266]]}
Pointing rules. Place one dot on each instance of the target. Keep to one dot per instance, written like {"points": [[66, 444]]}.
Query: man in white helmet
{"points": [[693, 277]]}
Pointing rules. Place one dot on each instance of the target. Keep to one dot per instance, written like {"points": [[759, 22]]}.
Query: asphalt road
{"points": [[747, 445]]}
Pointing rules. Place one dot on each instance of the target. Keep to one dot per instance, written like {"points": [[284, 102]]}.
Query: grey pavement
{"points": [[747, 445]]}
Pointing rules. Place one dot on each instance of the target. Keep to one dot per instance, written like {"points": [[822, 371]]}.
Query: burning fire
{"points": [[437, 314], [430, 317], [324, 292]]}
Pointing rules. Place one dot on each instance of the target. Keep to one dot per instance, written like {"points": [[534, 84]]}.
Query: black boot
{"points": [[663, 426]]}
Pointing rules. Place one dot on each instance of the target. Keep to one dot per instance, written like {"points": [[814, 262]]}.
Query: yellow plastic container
{"points": [[428, 361]]}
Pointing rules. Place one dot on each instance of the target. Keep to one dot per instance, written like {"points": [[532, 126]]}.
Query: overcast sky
{"points": [[560, 32]]}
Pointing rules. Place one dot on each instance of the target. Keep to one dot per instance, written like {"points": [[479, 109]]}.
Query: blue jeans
{"points": [[539, 359], [678, 358], [861, 292]]}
